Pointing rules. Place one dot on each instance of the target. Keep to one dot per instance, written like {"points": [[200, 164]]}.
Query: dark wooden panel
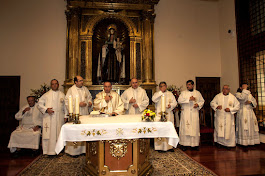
{"points": [[209, 87], [9, 106]]}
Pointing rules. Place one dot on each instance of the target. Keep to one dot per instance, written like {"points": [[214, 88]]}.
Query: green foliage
{"points": [[39, 92]]}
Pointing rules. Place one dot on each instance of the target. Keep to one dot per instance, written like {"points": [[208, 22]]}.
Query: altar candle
{"points": [[77, 105], [163, 103], [70, 104]]}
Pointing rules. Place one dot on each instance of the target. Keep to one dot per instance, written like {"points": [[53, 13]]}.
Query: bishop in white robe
{"points": [[27, 134], [85, 103], [135, 98], [51, 105], [191, 102], [247, 130], [161, 144], [109, 101], [225, 106]]}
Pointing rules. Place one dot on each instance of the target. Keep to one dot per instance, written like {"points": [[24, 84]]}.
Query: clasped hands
{"points": [[108, 98], [83, 104], [132, 100], [220, 108], [192, 98]]}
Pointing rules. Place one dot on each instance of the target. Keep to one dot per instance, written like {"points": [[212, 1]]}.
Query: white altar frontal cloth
{"points": [[116, 127]]}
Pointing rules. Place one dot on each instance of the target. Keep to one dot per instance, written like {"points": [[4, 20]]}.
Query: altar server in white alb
{"points": [[225, 106], [135, 98], [52, 106], [27, 134], [80, 93], [161, 144], [191, 102], [109, 101], [247, 130]]}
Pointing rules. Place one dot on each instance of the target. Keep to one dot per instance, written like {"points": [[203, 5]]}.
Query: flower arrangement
{"points": [[175, 90], [148, 115], [39, 92]]}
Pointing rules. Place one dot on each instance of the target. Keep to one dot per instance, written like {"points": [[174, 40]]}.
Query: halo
{"points": [[113, 26]]}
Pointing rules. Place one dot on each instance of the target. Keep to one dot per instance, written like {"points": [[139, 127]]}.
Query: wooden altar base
{"points": [[118, 157]]}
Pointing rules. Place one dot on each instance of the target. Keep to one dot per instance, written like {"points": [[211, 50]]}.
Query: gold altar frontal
{"points": [[118, 157]]}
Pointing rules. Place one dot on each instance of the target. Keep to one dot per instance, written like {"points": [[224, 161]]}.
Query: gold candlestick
{"points": [[163, 116], [70, 117], [76, 119]]}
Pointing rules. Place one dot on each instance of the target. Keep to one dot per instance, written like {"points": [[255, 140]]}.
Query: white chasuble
{"points": [[24, 136], [114, 105], [51, 123], [84, 96], [162, 143], [224, 132], [189, 129], [247, 130], [139, 94]]}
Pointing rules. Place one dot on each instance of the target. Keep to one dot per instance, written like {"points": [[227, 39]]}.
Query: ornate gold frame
{"points": [[83, 15]]}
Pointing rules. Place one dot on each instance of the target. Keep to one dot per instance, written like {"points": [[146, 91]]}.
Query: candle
{"points": [[77, 104], [163, 103], [70, 104]]}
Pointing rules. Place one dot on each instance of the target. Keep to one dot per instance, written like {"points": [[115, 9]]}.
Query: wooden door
{"points": [[9, 106], [209, 87]]}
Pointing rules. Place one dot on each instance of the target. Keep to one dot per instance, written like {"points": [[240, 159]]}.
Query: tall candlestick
{"points": [[163, 103], [70, 107], [77, 105]]}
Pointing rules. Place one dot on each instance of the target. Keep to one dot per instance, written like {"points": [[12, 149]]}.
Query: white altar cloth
{"points": [[111, 128]]}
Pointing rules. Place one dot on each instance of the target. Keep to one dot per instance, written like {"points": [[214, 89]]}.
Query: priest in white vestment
{"points": [[191, 102], [225, 106], [247, 130], [135, 98], [27, 134], [51, 105], [161, 144], [85, 103], [109, 101]]}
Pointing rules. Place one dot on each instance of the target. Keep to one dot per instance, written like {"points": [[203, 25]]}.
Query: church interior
{"points": [[212, 42]]}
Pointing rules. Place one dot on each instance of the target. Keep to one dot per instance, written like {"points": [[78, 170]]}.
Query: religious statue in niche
{"points": [[111, 60]]}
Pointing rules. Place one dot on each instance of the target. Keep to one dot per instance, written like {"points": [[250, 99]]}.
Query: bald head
{"points": [[107, 87], [134, 83]]}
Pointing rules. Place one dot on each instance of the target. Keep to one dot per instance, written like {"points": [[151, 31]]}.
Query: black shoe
{"points": [[196, 148], [162, 151], [218, 145], [183, 148], [34, 153], [15, 154], [75, 156], [171, 150], [227, 148]]}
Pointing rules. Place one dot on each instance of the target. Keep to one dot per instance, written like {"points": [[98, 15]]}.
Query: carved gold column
{"points": [[132, 58], [87, 39], [148, 20], [89, 61], [73, 44]]}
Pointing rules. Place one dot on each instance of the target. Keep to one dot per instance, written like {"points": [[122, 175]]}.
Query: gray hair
{"points": [[227, 86]]}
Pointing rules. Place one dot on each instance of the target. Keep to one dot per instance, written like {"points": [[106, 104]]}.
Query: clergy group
{"points": [[45, 118]]}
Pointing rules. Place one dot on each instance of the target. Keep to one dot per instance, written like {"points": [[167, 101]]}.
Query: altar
{"points": [[116, 145]]}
